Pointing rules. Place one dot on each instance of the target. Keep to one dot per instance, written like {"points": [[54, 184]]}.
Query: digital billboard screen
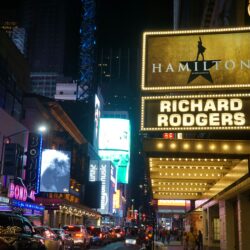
{"points": [[114, 145], [121, 160], [114, 134], [55, 171]]}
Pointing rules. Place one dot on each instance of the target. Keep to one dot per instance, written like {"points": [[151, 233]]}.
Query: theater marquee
{"points": [[196, 60], [196, 112]]}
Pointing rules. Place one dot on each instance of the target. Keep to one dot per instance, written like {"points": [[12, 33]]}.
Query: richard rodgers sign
{"points": [[196, 112]]}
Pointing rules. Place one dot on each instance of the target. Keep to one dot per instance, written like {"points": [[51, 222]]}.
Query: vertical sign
{"points": [[33, 161]]}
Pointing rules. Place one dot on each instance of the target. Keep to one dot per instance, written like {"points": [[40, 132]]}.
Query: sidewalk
{"points": [[173, 245]]}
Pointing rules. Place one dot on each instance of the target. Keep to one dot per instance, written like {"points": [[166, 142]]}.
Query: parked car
{"points": [[67, 240], [52, 241], [16, 232], [79, 234]]}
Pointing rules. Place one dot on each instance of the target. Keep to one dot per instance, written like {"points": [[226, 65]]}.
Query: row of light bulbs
{"points": [[180, 183], [175, 193], [184, 189], [159, 145], [200, 146], [190, 159], [190, 174], [224, 86], [190, 167], [76, 211]]}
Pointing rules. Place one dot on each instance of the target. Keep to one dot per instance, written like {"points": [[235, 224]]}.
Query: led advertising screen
{"points": [[121, 160], [114, 145], [97, 115], [208, 59], [55, 171], [114, 134]]}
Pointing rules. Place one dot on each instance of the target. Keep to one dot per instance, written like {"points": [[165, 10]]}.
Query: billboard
{"points": [[97, 115], [33, 163], [114, 145], [196, 60], [55, 171], [105, 172], [196, 112]]}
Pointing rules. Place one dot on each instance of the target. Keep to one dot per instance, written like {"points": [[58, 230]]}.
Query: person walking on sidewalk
{"points": [[200, 241]]}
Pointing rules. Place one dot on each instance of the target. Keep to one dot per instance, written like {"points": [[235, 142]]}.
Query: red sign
{"points": [[168, 135], [20, 192]]}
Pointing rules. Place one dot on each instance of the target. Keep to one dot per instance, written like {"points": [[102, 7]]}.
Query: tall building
{"points": [[52, 28]]}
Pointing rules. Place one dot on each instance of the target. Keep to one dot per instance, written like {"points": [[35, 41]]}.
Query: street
{"points": [[116, 246]]}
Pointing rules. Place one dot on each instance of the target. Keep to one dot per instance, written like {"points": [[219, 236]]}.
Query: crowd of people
{"points": [[190, 239]]}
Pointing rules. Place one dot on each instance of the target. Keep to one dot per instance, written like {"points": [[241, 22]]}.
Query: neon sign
{"points": [[20, 192]]}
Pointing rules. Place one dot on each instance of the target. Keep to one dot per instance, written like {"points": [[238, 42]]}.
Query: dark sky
{"points": [[121, 23]]}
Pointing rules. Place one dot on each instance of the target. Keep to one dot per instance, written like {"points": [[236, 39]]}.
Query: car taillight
{"points": [[78, 235]]}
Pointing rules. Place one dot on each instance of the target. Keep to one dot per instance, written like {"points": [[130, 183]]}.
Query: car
{"points": [[132, 237], [79, 234], [99, 236], [52, 241], [119, 233], [17, 232], [68, 242]]}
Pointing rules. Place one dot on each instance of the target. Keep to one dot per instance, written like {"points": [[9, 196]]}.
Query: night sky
{"points": [[121, 23]]}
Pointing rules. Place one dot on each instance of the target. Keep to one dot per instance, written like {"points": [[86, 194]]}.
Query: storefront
{"points": [[32, 211], [60, 212]]}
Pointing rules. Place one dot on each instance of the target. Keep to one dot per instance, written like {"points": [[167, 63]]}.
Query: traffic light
{"points": [[13, 156]]}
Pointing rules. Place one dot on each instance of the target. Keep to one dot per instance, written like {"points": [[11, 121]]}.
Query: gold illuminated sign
{"points": [[179, 203], [116, 199], [196, 112], [196, 60]]}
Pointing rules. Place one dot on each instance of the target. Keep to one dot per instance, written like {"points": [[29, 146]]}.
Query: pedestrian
{"points": [[163, 235], [168, 236], [185, 241], [199, 241], [191, 240]]}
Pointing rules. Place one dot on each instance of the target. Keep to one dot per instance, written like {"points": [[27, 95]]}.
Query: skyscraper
{"points": [[52, 28]]}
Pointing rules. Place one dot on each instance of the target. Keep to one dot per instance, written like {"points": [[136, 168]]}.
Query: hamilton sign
{"points": [[196, 112], [196, 60]]}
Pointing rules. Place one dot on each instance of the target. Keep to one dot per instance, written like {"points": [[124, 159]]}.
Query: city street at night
{"points": [[124, 125]]}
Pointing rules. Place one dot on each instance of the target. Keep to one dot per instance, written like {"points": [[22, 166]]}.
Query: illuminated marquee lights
{"points": [[195, 112], [229, 64]]}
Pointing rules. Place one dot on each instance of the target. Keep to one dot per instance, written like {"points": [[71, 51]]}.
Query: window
{"points": [[216, 229]]}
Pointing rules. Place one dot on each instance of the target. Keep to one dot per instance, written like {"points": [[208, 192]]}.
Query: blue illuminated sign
{"points": [[39, 165], [26, 205]]}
